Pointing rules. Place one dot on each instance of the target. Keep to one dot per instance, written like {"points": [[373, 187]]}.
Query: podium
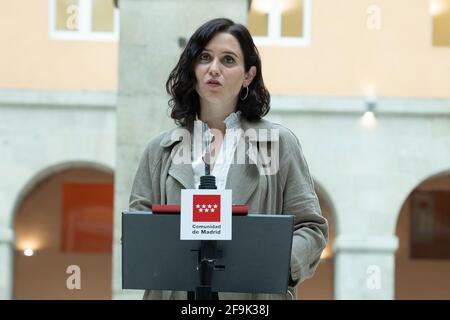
{"points": [[256, 260]]}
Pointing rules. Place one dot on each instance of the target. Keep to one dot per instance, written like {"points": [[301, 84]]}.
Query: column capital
{"points": [[365, 243], [6, 235]]}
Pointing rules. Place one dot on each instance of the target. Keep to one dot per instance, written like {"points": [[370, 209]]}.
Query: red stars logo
{"points": [[206, 208]]}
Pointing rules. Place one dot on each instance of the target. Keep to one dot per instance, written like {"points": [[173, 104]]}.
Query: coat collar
{"points": [[175, 135], [242, 178]]}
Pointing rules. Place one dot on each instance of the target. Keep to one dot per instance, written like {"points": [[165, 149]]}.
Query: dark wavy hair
{"points": [[184, 102]]}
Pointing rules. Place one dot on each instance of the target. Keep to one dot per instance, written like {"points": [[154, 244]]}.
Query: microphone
{"points": [[208, 252], [207, 181]]}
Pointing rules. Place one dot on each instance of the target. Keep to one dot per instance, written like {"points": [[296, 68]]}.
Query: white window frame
{"points": [[84, 25], [274, 37]]}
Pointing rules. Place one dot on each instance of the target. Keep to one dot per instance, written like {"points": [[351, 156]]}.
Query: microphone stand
{"points": [[207, 254]]}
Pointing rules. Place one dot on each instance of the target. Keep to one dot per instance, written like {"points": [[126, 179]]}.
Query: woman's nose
{"points": [[214, 68]]}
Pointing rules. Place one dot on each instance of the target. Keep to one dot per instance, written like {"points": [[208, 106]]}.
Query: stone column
{"points": [[6, 265], [365, 267], [150, 35]]}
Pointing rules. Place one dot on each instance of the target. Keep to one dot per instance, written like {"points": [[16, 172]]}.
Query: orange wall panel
{"points": [[87, 212]]}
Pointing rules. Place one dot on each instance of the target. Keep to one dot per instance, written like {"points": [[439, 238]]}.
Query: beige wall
{"points": [[44, 276], [38, 220], [344, 58], [29, 59], [420, 278]]}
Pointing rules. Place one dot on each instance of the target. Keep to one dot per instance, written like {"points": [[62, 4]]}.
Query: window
{"points": [[440, 12], [84, 20], [280, 22]]}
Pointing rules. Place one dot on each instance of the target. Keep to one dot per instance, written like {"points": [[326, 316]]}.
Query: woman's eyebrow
{"points": [[232, 53], [227, 52]]}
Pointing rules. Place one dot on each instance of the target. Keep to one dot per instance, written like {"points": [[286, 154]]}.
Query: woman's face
{"points": [[220, 71]]}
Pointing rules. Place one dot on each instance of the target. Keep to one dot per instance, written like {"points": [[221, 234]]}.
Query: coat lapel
{"points": [[180, 166], [183, 174], [243, 180]]}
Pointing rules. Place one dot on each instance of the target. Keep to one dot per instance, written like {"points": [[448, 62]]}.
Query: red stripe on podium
{"points": [[237, 209]]}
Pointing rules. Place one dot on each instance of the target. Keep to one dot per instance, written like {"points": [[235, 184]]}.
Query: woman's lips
{"points": [[213, 84]]}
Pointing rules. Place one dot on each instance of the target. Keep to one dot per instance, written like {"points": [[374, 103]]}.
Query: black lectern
{"points": [[256, 260]]}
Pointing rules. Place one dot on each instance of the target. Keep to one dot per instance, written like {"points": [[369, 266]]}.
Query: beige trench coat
{"points": [[289, 190]]}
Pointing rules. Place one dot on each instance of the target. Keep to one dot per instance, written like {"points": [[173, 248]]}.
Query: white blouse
{"points": [[225, 156]]}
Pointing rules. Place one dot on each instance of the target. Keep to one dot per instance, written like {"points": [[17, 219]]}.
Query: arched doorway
{"points": [[423, 229], [320, 286], [63, 227]]}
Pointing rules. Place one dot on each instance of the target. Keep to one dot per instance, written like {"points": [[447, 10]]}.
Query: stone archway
{"points": [[423, 229], [321, 285], [59, 240], [53, 169]]}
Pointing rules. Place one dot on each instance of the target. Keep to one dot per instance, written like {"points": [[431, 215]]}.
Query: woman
{"points": [[217, 87]]}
